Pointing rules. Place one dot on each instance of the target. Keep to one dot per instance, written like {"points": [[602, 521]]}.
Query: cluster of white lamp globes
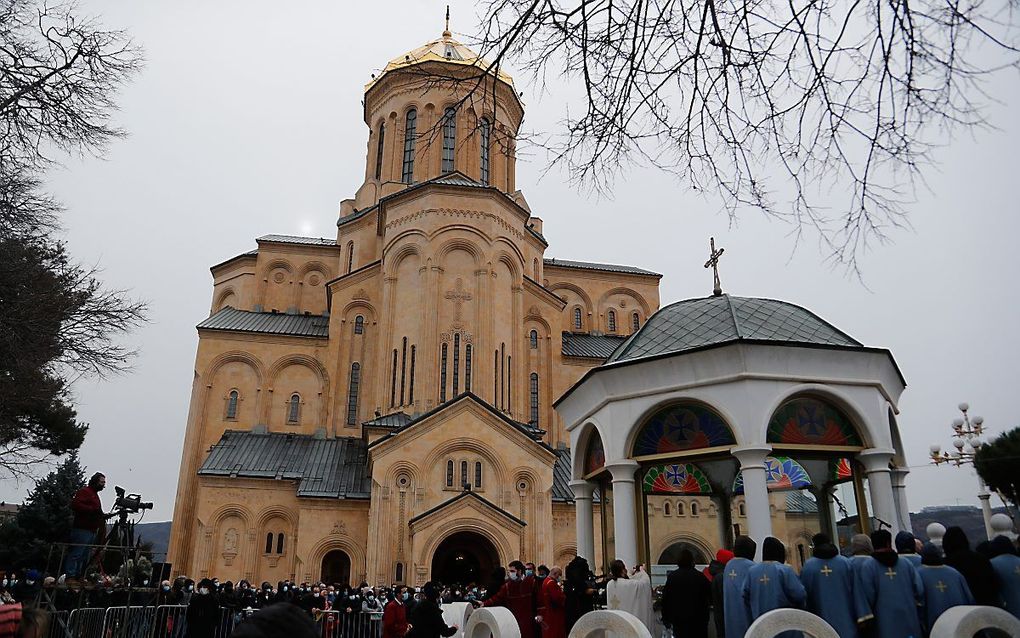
{"points": [[967, 440]]}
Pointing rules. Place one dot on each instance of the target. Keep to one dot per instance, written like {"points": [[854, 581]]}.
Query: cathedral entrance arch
{"points": [[464, 557], [336, 567]]}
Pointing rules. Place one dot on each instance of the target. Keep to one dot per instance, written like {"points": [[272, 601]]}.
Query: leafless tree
{"points": [[59, 73], [820, 112]]}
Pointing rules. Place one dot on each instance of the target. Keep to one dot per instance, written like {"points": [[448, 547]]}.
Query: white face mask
{"points": [[514, 575], [203, 590]]}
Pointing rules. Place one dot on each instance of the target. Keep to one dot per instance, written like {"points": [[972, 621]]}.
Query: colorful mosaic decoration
{"points": [[595, 459], [781, 473], [684, 478], [809, 421], [680, 428], [840, 470]]}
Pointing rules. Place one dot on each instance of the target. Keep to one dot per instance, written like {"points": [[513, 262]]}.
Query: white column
{"points": [[899, 486], [986, 507], [756, 493], [584, 521], [883, 502], [624, 511]]}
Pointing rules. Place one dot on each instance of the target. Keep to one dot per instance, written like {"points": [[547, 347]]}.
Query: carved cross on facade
{"points": [[713, 263], [459, 296]]}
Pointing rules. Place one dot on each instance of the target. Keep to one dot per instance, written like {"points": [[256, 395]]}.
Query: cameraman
{"points": [[88, 522]]}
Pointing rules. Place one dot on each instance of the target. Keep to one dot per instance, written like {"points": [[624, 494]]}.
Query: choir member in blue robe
{"points": [[860, 550], [737, 620], [771, 584], [906, 547], [1006, 564], [944, 587], [828, 580], [887, 592]]}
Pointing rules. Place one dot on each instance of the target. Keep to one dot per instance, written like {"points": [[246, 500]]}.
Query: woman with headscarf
{"points": [[772, 584], [579, 590], [977, 569], [427, 617]]}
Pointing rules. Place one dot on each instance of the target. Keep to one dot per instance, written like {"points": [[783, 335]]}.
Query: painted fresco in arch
{"points": [[809, 421], [595, 458], [781, 473], [676, 478], [680, 428]]}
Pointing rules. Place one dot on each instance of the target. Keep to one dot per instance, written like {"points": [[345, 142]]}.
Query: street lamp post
{"points": [[967, 441]]}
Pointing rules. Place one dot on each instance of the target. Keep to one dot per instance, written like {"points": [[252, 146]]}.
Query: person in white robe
{"points": [[632, 594]]}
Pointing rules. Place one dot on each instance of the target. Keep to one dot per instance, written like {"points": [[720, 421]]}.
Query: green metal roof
{"points": [[697, 323]]}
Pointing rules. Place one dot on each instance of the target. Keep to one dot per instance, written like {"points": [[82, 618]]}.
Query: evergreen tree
{"points": [[996, 464], [44, 519]]}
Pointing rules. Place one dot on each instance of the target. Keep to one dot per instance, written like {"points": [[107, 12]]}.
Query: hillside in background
{"points": [[156, 533], [965, 516]]}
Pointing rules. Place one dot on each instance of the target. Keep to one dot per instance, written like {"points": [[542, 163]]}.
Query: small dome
{"points": [[697, 323], [445, 49]]}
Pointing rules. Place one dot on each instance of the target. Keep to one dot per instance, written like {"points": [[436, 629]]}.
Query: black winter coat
{"points": [[427, 621], [686, 599]]}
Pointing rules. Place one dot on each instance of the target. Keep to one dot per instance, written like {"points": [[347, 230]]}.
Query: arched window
{"points": [[679, 508], [294, 408], [495, 376], [410, 130], [350, 256], [486, 135], [742, 510], [442, 374], [449, 138], [403, 369], [379, 151], [535, 268], [359, 325], [410, 389], [533, 338], [449, 473], [400, 573], [467, 368], [232, 399], [578, 326], [694, 509], [478, 474], [635, 321], [456, 364], [352, 395], [611, 317], [534, 399], [464, 478], [666, 509], [393, 380], [279, 543], [269, 543]]}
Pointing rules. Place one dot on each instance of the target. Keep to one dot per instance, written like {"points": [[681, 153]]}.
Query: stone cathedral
{"points": [[379, 406]]}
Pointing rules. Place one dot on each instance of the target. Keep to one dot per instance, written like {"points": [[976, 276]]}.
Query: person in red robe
{"points": [[395, 614], [518, 595], [552, 616]]}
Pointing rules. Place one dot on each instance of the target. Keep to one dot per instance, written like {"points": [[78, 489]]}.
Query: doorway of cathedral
{"points": [[336, 568], [672, 553], [463, 558]]}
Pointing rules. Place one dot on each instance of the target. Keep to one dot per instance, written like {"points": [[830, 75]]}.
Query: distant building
{"points": [[8, 511]]}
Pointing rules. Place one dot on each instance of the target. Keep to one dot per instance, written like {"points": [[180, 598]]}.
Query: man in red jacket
{"points": [[552, 617], [88, 520], [394, 618], [518, 595]]}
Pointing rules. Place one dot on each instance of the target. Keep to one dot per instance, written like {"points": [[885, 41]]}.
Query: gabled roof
{"points": [[392, 420], [561, 491], [696, 323], [295, 239], [526, 429], [234, 320], [463, 495], [589, 346], [326, 468], [590, 265]]}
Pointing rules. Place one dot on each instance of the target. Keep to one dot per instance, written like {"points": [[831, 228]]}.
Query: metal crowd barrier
{"points": [[357, 624]]}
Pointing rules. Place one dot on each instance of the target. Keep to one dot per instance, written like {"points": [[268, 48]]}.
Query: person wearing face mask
{"points": [[265, 596], [164, 594], [518, 595], [394, 619], [88, 524], [370, 604], [283, 593], [245, 595], [203, 614]]}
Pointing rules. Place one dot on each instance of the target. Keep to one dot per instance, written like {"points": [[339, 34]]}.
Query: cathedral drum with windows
{"points": [[379, 406]]}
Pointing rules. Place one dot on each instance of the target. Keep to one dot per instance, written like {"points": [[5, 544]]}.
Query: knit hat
{"points": [[724, 556]]}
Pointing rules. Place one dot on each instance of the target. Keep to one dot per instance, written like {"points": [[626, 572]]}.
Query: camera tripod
{"points": [[120, 539]]}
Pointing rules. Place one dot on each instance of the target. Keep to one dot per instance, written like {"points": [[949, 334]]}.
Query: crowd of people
{"points": [[885, 588]]}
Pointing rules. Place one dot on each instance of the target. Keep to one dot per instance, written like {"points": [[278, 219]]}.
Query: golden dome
{"points": [[445, 49]]}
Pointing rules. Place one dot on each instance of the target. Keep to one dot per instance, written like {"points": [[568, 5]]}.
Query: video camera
{"points": [[130, 503]]}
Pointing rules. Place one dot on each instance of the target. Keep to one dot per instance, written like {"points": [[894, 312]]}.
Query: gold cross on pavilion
{"points": [[713, 263]]}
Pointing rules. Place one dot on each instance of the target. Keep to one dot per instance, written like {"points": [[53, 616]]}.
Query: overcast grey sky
{"points": [[247, 120]]}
